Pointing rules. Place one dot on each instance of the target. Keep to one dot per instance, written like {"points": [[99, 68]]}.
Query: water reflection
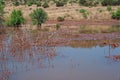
{"points": [[113, 52], [54, 56]]}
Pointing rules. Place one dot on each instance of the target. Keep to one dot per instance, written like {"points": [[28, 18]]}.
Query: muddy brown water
{"points": [[27, 55]]}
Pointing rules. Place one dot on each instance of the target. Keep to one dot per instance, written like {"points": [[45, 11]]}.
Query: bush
{"points": [[88, 2], [38, 3], [109, 8], [100, 10], [116, 15], [82, 2], [60, 3], [29, 3], [38, 16], [2, 2], [110, 2], [60, 19], [16, 18], [72, 1], [16, 3], [57, 26], [82, 10], [45, 5], [84, 13], [1, 12]]}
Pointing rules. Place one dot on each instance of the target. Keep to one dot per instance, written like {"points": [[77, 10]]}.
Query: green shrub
{"points": [[1, 12], [88, 2], [29, 3], [38, 3], [109, 8], [60, 19], [72, 1], [57, 26], [82, 2], [60, 3], [2, 2], [38, 17], [45, 5], [82, 10], [100, 10], [110, 2], [84, 13], [16, 3], [116, 15], [16, 18]]}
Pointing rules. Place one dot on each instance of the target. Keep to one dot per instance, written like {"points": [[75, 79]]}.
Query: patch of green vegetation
{"points": [[1, 12], [38, 3], [29, 3], [109, 8], [88, 2], [72, 1], [100, 10], [59, 3], [116, 14], [45, 5], [16, 3], [110, 2], [57, 26], [82, 10], [84, 13], [60, 18]]}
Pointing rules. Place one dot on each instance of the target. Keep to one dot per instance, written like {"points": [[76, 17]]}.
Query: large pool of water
{"points": [[84, 60]]}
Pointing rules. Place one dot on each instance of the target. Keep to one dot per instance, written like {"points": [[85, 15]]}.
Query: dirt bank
{"points": [[84, 22]]}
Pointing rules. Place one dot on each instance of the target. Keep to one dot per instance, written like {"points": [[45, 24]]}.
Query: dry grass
{"points": [[69, 12]]}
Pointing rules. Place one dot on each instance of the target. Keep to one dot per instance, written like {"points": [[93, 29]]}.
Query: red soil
{"points": [[85, 22]]}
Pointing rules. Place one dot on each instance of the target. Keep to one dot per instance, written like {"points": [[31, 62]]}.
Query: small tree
{"points": [[38, 17], [16, 18]]}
